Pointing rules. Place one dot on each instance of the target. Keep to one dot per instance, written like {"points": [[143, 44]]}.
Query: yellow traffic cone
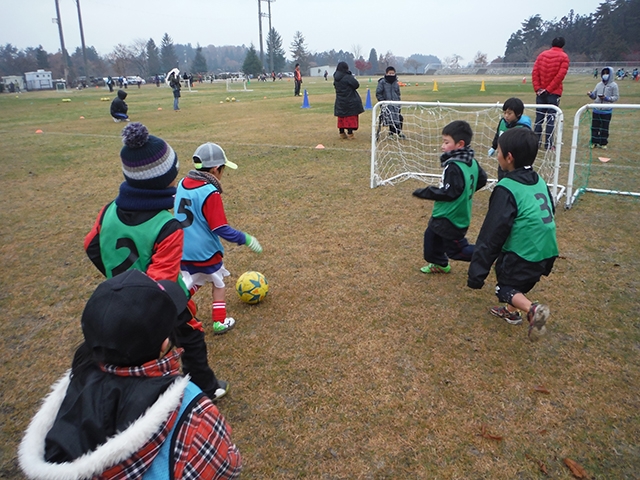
{"points": [[435, 86], [482, 89]]}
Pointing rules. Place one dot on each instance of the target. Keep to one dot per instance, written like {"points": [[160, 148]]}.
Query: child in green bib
{"points": [[518, 233]]}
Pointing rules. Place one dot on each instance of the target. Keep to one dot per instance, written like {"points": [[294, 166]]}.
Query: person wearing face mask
{"points": [[605, 92], [389, 89]]}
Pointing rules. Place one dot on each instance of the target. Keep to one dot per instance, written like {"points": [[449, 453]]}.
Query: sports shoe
{"points": [[221, 391], [401, 135], [116, 119], [351, 136], [604, 147], [537, 318], [223, 327], [512, 318], [343, 136], [433, 268]]}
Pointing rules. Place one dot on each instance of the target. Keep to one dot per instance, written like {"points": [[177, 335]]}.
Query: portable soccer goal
{"points": [[416, 153], [237, 85], [611, 171]]}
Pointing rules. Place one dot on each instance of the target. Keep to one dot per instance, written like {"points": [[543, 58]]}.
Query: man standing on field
{"points": [[549, 71]]}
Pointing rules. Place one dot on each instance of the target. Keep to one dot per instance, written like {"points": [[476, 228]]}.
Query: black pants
{"points": [[194, 358], [547, 114], [600, 128], [439, 250], [297, 86]]}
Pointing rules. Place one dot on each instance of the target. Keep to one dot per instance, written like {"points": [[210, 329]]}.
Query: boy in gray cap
{"points": [[198, 206]]}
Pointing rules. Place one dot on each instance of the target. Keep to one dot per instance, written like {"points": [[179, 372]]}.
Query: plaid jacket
{"points": [[201, 438]]}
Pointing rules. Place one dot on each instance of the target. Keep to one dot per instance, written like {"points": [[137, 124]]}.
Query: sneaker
{"points": [[433, 268], [351, 136], [512, 318], [537, 318], [116, 119], [343, 136], [221, 391], [604, 147], [401, 135], [223, 327]]}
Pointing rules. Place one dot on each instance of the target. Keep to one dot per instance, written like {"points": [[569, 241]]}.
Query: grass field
{"points": [[357, 366]]}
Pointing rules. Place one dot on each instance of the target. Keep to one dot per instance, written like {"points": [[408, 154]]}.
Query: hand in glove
{"points": [[491, 152], [252, 243]]}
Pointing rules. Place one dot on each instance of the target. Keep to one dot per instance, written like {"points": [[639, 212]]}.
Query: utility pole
{"points": [[84, 49], [260, 30], [65, 60], [269, 37]]}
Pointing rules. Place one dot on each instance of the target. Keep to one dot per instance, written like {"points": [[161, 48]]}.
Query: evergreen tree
{"points": [[153, 59], [252, 64], [373, 61], [168, 57], [299, 52], [275, 51], [199, 64], [42, 58]]}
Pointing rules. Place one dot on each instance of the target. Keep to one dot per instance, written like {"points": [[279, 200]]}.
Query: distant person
{"points": [[518, 234], [125, 82], [139, 81], [348, 104], [198, 206], [605, 92], [124, 410], [326, 74], [138, 231], [549, 71], [156, 80], [462, 176], [512, 117], [119, 108], [297, 80], [110, 83], [174, 83], [388, 88], [635, 74]]}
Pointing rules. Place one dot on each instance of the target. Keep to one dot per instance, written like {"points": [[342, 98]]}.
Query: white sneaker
{"points": [[223, 327]]}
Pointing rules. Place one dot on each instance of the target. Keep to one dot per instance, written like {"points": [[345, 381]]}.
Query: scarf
{"points": [[142, 199], [205, 177], [464, 154]]}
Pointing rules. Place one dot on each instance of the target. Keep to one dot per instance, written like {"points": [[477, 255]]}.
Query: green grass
{"points": [[356, 365]]}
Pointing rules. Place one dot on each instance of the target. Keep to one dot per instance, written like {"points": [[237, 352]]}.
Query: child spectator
{"points": [[389, 89], [512, 117], [124, 410], [518, 233], [119, 108], [198, 206], [138, 231], [605, 92], [444, 237]]}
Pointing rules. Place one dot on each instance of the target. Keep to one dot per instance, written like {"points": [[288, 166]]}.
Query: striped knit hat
{"points": [[148, 162]]}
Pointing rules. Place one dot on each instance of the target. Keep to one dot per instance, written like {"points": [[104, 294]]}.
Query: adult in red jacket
{"points": [[549, 71]]}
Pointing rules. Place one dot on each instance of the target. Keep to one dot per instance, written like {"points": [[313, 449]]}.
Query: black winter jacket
{"points": [[118, 105], [348, 101]]}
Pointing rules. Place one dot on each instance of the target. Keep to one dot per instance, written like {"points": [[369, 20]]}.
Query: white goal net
{"points": [[614, 170], [237, 85], [416, 152]]}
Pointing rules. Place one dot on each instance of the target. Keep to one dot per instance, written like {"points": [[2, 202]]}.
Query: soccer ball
{"points": [[252, 287]]}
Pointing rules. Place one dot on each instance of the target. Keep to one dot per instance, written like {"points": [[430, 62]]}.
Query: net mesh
{"points": [[417, 155], [616, 168]]}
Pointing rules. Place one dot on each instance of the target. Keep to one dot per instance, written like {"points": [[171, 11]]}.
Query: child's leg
{"points": [[605, 119], [596, 125], [434, 253], [459, 249], [516, 300]]}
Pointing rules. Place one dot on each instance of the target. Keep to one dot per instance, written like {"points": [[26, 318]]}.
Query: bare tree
{"points": [[412, 64], [386, 60], [122, 59], [139, 60], [357, 51], [480, 60]]}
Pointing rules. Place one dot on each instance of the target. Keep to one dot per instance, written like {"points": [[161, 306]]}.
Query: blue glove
{"points": [[491, 152], [252, 243], [607, 99]]}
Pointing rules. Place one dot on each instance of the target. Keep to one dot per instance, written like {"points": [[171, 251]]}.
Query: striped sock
{"points": [[218, 311]]}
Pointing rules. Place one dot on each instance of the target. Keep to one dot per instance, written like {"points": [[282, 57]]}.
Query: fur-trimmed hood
{"points": [[31, 453]]}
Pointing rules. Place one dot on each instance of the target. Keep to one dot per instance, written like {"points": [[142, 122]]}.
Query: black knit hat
{"points": [[148, 162], [129, 316]]}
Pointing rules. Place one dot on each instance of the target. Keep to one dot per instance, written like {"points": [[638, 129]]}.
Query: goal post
{"points": [[416, 153], [233, 85], [614, 171]]}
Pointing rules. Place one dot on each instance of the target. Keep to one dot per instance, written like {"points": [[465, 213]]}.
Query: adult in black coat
{"points": [[348, 103]]}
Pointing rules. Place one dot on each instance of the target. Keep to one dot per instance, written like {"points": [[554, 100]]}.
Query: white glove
{"points": [[252, 243], [491, 152]]}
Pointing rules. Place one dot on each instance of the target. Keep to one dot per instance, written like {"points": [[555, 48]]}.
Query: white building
{"points": [[39, 80], [319, 71]]}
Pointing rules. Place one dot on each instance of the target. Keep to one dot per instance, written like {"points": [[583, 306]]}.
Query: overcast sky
{"points": [[404, 27]]}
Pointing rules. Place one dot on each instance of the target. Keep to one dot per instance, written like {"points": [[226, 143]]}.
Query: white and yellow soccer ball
{"points": [[252, 287]]}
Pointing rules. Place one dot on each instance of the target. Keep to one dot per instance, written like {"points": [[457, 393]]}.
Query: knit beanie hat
{"points": [[148, 162]]}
